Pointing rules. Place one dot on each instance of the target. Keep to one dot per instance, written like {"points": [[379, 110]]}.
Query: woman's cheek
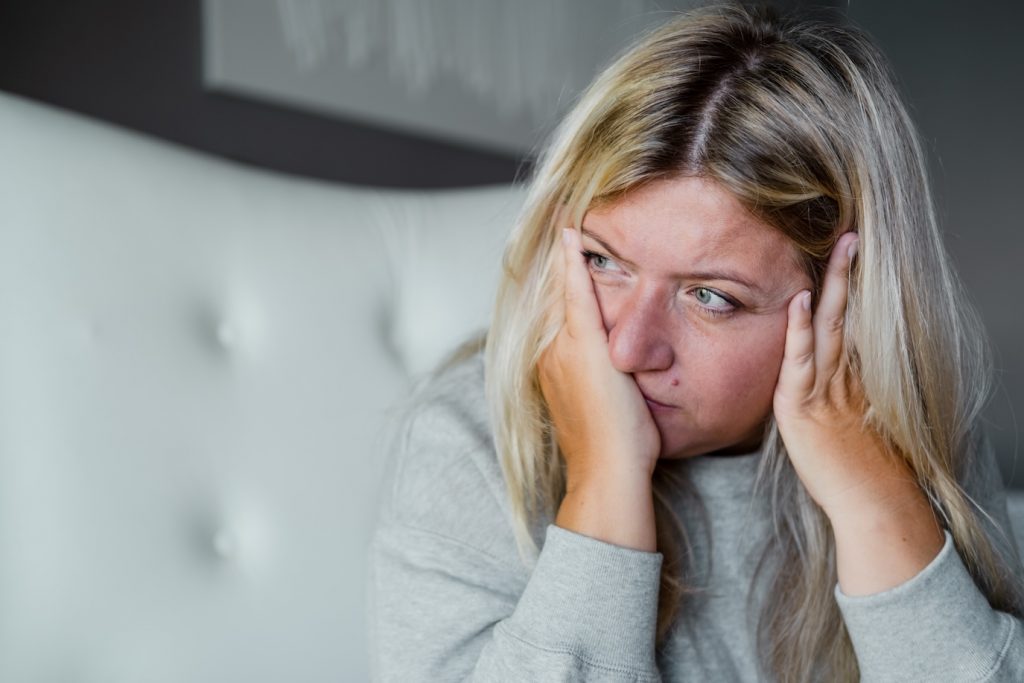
{"points": [[763, 358], [750, 361]]}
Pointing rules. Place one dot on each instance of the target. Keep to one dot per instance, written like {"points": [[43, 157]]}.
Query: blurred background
{"points": [[422, 96], [312, 87]]}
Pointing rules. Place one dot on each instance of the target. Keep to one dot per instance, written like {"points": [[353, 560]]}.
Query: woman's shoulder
{"points": [[443, 476]]}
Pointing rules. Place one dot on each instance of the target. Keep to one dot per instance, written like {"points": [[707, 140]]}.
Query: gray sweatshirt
{"points": [[449, 599]]}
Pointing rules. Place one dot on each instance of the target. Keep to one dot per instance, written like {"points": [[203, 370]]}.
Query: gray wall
{"points": [[963, 72], [138, 64]]}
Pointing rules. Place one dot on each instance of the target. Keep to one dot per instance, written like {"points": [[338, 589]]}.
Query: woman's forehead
{"points": [[690, 223]]}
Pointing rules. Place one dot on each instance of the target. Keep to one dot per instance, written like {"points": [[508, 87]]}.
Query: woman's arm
{"points": [[443, 611], [938, 625], [448, 603], [449, 597], [911, 608], [884, 528], [604, 428]]}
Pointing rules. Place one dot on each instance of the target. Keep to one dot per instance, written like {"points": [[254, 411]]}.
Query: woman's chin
{"points": [[680, 451]]}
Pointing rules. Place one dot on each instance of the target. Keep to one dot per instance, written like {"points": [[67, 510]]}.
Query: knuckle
{"points": [[839, 272], [834, 323], [842, 388], [809, 406], [801, 356]]}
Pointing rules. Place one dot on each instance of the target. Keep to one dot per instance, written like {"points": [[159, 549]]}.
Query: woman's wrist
{"points": [[616, 508], [885, 541]]}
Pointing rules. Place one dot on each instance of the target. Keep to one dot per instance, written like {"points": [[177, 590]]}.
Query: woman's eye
{"points": [[712, 300], [600, 261]]}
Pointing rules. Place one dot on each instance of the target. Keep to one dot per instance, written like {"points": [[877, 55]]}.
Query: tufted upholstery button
{"points": [[225, 544], [87, 332], [227, 335]]}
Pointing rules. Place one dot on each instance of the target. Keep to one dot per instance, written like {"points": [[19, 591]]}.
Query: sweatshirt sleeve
{"points": [[444, 611], [449, 598], [938, 625]]}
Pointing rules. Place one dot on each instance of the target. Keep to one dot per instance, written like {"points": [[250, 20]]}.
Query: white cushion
{"points": [[197, 360]]}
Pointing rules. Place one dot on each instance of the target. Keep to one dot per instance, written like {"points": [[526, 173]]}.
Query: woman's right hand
{"points": [[604, 428]]}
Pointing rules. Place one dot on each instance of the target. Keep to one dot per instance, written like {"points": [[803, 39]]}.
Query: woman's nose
{"points": [[640, 338]]}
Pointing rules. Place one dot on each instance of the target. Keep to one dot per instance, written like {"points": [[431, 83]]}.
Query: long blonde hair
{"points": [[802, 122]]}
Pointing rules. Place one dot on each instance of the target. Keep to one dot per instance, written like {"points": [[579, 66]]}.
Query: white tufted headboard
{"points": [[196, 363]]}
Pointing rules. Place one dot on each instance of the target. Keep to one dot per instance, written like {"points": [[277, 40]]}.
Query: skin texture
{"points": [[664, 305], [685, 327]]}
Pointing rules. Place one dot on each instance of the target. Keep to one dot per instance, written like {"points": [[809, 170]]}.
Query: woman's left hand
{"points": [[868, 492], [819, 403]]}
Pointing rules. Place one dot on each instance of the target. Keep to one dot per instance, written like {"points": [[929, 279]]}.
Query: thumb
{"points": [[582, 314]]}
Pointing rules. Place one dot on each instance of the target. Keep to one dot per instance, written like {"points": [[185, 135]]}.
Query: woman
{"points": [[732, 397]]}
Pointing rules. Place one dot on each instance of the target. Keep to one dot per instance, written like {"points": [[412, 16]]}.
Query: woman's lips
{"points": [[656, 405]]}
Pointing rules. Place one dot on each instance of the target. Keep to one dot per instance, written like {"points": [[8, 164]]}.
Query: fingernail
{"points": [[566, 236], [851, 250], [806, 303]]}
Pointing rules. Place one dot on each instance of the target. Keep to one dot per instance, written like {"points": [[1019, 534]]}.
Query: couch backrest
{"points": [[198, 360]]}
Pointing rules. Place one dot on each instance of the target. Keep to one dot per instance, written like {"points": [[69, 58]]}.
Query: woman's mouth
{"points": [[656, 405]]}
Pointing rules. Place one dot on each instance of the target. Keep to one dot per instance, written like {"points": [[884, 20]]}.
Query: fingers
{"points": [[814, 343], [796, 378], [582, 314], [830, 316]]}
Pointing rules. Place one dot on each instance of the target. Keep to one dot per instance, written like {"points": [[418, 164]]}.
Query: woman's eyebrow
{"points": [[700, 275], [607, 247], [723, 275]]}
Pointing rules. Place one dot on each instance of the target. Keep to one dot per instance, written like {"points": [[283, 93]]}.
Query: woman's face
{"points": [[693, 292]]}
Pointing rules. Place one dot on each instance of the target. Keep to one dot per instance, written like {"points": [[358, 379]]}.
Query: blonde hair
{"points": [[802, 122]]}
